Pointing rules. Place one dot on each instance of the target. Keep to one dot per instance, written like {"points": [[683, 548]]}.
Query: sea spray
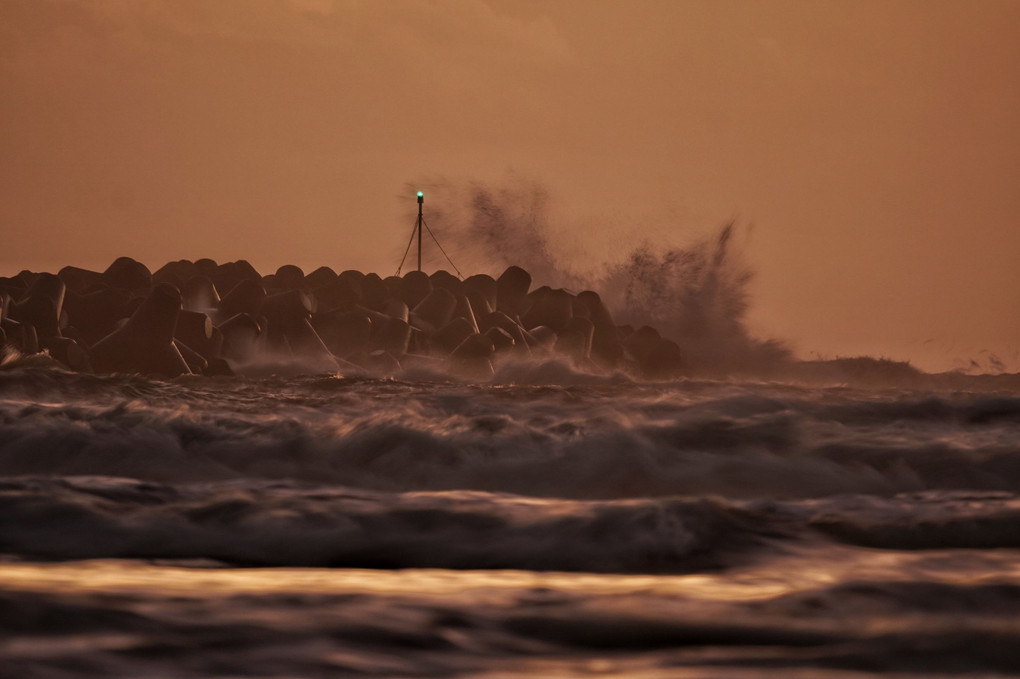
{"points": [[696, 295], [498, 225]]}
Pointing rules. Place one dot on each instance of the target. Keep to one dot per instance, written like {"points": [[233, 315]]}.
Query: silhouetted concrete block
{"points": [[511, 289], [196, 362], [199, 293], [501, 340], [128, 274], [446, 281], [553, 308], [416, 287], [80, 280], [394, 336], [345, 333], [175, 273], [144, 344], [246, 297], [395, 308], [340, 294], [574, 341], [289, 277], [437, 307], [541, 339], [373, 292], [95, 315], [665, 359], [195, 329], [642, 342], [240, 337], [41, 306], [449, 337], [320, 277]]}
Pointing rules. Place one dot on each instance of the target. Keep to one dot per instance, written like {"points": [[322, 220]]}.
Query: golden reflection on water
{"points": [[794, 572]]}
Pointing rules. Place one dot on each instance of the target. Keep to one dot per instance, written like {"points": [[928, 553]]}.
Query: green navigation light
{"points": [[420, 194]]}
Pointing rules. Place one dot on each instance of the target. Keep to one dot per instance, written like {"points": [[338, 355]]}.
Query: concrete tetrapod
{"points": [[145, 343]]}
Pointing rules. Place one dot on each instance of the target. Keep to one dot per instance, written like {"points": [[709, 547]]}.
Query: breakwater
{"points": [[210, 318]]}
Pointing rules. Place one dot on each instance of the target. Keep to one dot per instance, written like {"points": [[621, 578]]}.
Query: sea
{"points": [[546, 523]]}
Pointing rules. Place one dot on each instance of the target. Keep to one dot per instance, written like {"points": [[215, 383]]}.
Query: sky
{"points": [[868, 151]]}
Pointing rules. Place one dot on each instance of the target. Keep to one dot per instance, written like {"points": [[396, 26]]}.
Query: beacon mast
{"points": [[421, 201], [419, 227]]}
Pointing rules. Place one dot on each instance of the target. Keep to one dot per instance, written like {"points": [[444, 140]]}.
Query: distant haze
{"points": [[868, 151]]}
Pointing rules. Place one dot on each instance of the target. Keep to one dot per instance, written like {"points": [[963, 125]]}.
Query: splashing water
{"points": [[498, 226], [697, 295]]}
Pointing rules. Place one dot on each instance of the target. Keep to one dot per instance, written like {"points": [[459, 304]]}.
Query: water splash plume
{"points": [[697, 295]]}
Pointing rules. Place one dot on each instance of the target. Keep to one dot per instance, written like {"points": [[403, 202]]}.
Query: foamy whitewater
{"points": [[546, 523]]}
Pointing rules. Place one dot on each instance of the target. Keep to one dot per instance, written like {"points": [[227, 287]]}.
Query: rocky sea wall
{"points": [[209, 318]]}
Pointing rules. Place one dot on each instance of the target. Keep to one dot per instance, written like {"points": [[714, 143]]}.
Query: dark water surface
{"points": [[546, 524]]}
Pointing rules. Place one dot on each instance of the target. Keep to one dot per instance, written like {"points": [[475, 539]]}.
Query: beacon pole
{"points": [[421, 199], [420, 226]]}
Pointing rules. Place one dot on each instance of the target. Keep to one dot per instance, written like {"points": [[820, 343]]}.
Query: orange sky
{"points": [[874, 147]]}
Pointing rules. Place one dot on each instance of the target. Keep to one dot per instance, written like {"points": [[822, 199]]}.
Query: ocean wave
{"points": [[850, 629], [603, 439], [926, 521], [287, 525]]}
